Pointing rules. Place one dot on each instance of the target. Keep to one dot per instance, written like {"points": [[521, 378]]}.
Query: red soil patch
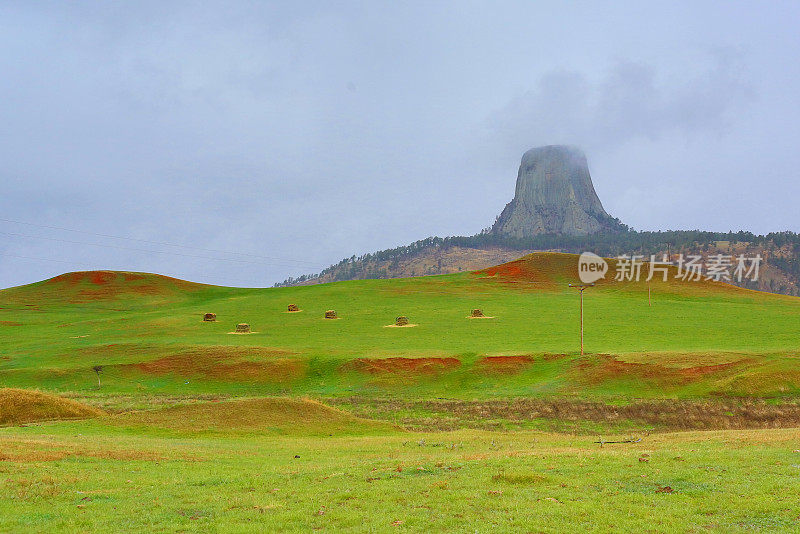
{"points": [[69, 279], [102, 277], [112, 291], [604, 367], [553, 269], [504, 365], [420, 366], [515, 271], [10, 323], [100, 285], [694, 373], [225, 365], [543, 269]]}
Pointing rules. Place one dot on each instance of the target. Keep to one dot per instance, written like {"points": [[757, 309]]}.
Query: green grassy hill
{"points": [[147, 333], [209, 431]]}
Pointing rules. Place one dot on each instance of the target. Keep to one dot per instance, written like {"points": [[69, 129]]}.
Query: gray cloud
{"points": [[627, 102], [304, 132]]}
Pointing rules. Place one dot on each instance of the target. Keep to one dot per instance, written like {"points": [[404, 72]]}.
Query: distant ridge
{"points": [[556, 208]]}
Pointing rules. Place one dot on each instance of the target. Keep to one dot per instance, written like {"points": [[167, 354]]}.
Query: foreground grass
{"points": [[89, 476]]}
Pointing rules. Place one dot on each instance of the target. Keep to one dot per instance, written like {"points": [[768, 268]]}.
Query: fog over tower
{"points": [[554, 195]]}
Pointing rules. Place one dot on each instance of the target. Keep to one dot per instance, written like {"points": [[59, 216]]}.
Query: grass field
{"points": [[146, 331], [92, 476], [455, 424]]}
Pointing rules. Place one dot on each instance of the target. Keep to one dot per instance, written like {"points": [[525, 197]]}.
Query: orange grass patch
{"points": [[604, 367], [405, 366], [549, 270], [20, 450], [85, 286], [521, 270], [767, 381], [276, 414], [226, 364], [504, 364]]}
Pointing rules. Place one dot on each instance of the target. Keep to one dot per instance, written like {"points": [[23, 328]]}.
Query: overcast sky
{"points": [[295, 134]]}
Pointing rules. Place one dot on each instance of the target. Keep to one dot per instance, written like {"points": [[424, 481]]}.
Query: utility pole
{"points": [[581, 288]]}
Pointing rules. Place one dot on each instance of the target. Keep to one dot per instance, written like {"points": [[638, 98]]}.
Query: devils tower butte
{"points": [[554, 195]]}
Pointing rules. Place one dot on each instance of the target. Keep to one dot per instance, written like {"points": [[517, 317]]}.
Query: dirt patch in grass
{"points": [[550, 270], [226, 364], [72, 279], [597, 369], [414, 366], [85, 286], [504, 365], [520, 271], [9, 323], [690, 374], [20, 406]]}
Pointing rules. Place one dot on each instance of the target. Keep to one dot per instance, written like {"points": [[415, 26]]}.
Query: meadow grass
{"points": [[89, 476]]}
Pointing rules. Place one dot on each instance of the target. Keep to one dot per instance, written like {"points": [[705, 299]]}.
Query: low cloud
{"points": [[630, 101]]}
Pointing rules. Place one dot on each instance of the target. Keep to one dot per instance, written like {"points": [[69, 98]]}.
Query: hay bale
{"points": [[401, 321], [477, 313], [242, 328], [210, 317], [331, 314], [293, 308]]}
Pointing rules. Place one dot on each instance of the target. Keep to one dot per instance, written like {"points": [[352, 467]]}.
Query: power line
{"points": [[36, 259], [118, 247], [61, 228]]}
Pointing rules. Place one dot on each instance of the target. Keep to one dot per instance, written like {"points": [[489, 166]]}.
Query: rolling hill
{"points": [[146, 333], [323, 423]]}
